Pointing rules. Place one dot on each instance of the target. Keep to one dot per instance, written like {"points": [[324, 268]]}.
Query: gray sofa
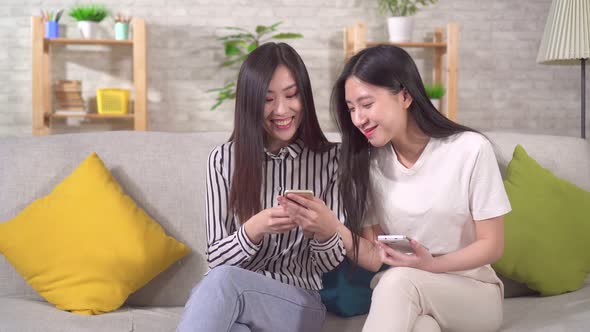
{"points": [[165, 174]]}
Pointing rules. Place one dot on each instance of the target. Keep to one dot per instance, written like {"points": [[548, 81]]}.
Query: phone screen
{"points": [[303, 193], [401, 245]]}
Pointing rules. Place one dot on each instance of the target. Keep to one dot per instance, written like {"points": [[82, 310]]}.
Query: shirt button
{"points": [[279, 189]]}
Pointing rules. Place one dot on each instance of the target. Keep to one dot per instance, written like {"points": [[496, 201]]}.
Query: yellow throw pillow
{"points": [[86, 246]]}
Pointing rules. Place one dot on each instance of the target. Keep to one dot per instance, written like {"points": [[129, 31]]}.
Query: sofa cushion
{"points": [[163, 172], [86, 246], [567, 157], [547, 234], [566, 312], [25, 315]]}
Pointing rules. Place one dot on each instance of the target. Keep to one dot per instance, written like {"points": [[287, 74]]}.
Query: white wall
{"points": [[500, 85]]}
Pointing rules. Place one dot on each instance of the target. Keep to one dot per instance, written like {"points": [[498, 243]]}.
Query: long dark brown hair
{"points": [[249, 135], [392, 68]]}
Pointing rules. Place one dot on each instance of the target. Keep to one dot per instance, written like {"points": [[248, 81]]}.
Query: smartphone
{"points": [[304, 193], [400, 243]]}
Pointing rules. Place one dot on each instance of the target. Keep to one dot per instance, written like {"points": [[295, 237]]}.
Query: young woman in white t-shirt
{"points": [[406, 169]]}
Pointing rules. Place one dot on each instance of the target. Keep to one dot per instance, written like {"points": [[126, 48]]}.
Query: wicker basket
{"points": [[112, 101]]}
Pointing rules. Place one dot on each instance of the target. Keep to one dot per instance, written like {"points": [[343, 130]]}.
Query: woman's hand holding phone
{"points": [[269, 221], [417, 256], [311, 214]]}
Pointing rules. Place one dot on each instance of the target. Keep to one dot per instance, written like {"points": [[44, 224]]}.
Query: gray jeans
{"points": [[232, 299]]}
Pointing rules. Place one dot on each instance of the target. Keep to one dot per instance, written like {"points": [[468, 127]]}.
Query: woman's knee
{"points": [[397, 278], [221, 278], [426, 323]]}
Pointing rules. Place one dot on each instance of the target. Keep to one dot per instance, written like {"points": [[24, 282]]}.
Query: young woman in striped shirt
{"points": [[265, 271]]}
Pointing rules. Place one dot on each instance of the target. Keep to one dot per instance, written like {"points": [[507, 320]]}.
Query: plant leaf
{"points": [[274, 26], [252, 46], [231, 48], [238, 36], [235, 28], [261, 29], [216, 105], [287, 35]]}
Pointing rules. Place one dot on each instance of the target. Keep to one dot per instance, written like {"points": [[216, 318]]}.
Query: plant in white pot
{"points": [[88, 17], [400, 23], [435, 92]]}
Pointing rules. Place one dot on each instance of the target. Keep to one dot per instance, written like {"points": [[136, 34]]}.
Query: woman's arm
{"points": [[314, 216], [226, 244], [486, 249], [368, 254]]}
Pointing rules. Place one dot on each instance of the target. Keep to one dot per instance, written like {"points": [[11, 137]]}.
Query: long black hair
{"points": [[392, 68], [249, 134]]}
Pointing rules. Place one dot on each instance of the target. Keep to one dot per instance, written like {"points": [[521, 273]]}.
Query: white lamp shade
{"points": [[567, 32]]}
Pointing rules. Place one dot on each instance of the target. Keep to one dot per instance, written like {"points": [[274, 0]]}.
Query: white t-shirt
{"points": [[454, 183]]}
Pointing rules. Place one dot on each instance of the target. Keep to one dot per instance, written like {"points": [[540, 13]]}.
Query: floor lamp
{"points": [[566, 40]]}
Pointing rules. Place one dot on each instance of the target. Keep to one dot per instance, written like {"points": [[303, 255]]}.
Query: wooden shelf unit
{"points": [[73, 41], [42, 111], [355, 39], [91, 116]]}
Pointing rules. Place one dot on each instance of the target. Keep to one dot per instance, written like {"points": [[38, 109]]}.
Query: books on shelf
{"points": [[67, 85], [67, 97]]}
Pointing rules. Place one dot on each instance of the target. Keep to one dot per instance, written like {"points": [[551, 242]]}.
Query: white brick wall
{"points": [[500, 85]]}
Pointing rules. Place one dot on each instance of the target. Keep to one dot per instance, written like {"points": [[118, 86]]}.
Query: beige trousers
{"points": [[411, 300]]}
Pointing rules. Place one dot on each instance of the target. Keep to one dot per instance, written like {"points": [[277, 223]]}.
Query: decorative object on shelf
{"points": [[238, 45], [88, 17], [51, 20], [401, 22], [122, 26], [566, 40], [112, 101], [67, 98], [435, 92]]}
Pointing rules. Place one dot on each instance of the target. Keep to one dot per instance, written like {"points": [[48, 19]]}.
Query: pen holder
{"points": [[51, 29], [121, 31]]}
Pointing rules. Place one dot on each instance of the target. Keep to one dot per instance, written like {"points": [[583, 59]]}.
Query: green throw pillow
{"points": [[547, 234]]}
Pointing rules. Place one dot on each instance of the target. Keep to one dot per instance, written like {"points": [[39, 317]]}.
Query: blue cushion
{"points": [[347, 293]]}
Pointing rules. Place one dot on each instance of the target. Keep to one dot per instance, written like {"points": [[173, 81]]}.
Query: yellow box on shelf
{"points": [[112, 101]]}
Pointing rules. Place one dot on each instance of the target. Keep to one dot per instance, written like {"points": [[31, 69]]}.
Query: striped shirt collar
{"points": [[293, 149]]}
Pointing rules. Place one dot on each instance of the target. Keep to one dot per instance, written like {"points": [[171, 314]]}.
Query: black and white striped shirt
{"points": [[288, 257]]}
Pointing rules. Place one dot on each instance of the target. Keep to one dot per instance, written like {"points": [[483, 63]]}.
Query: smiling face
{"points": [[282, 109], [378, 113]]}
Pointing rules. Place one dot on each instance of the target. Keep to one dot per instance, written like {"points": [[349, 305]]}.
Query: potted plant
{"points": [[401, 21], [238, 45], [88, 17], [435, 92]]}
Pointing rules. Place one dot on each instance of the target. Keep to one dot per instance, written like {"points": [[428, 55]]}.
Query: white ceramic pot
{"points": [[436, 103], [88, 29], [400, 28]]}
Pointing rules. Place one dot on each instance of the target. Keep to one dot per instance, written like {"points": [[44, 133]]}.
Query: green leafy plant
{"points": [[435, 91], [238, 45], [402, 7], [92, 12]]}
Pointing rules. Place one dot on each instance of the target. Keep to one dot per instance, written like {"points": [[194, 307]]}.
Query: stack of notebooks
{"points": [[67, 98]]}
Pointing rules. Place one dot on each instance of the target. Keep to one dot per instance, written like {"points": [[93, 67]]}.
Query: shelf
{"points": [[410, 44], [355, 39], [41, 72], [80, 41], [92, 116]]}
